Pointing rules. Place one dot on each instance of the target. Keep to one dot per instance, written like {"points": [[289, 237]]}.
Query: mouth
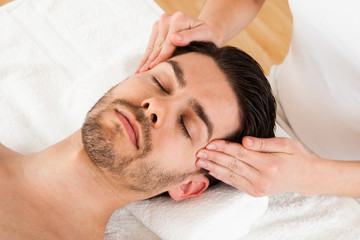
{"points": [[130, 126]]}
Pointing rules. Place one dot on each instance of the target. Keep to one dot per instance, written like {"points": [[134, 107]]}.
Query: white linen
{"points": [[295, 217], [219, 213]]}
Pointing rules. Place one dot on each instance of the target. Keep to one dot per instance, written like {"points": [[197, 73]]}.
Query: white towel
{"points": [[221, 212], [291, 216]]}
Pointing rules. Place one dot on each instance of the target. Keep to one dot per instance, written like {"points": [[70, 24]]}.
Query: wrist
{"points": [[316, 179], [217, 33]]}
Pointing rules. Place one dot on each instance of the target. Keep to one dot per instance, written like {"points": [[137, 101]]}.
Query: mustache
{"points": [[144, 122], [137, 111]]}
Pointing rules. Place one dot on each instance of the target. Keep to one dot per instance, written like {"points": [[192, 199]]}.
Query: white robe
{"points": [[318, 84]]}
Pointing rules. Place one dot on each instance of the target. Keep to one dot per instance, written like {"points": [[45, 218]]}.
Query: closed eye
{"points": [[183, 128], [156, 81]]}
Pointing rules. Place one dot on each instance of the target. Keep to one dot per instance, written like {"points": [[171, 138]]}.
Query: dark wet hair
{"points": [[257, 106]]}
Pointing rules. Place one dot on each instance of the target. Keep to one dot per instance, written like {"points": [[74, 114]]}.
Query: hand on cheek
{"points": [[261, 167]]}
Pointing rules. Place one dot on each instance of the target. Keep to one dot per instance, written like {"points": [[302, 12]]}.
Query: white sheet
{"points": [[48, 49]]}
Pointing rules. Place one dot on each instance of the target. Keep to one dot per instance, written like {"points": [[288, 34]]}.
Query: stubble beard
{"points": [[131, 170]]}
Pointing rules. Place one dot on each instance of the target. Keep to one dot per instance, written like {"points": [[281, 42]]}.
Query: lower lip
{"points": [[128, 128]]}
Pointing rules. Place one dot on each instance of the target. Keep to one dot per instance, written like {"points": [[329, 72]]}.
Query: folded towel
{"points": [[221, 212], [295, 217]]}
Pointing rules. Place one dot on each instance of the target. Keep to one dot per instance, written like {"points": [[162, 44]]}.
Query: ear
{"points": [[190, 188]]}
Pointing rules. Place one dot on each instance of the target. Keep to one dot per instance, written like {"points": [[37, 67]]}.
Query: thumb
{"points": [[270, 145], [199, 33]]}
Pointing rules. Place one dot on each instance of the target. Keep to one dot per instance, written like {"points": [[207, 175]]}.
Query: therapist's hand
{"points": [[262, 167], [172, 31]]}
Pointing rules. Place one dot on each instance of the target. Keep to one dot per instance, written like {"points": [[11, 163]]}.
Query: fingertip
{"points": [[248, 142], [144, 68], [211, 146], [218, 142], [177, 39], [153, 64], [157, 60], [201, 163], [138, 68]]}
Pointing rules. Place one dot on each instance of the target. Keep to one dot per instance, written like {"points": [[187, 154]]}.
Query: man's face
{"points": [[146, 131]]}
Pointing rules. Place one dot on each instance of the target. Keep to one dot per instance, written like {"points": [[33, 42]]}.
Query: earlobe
{"points": [[190, 188]]}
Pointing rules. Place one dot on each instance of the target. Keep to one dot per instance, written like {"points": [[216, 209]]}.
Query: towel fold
{"points": [[221, 212]]}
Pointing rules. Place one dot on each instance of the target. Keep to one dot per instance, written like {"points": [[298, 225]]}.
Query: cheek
{"points": [[133, 90], [173, 153]]}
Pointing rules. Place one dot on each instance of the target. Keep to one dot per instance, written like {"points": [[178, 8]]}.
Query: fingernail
{"points": [[211, 147], [143, 68], [202, 155], [152, 65], [250, 142], [201, 163], [179, 37]]}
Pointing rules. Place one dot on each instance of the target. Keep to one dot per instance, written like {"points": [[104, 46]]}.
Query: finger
{"points": [[269, 145], [230, 162], [252, 158], [195, 30], [150, 46], [198, 32], [161, 38], [177, 23], [165, 53], [170, 45], [225, 175]]}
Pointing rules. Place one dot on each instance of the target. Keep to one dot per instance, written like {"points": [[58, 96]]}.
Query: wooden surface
{"points": [[266, 39], [3, 2]]}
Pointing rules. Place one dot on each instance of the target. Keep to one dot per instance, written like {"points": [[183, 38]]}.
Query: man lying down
{"points": [[138, 141]]}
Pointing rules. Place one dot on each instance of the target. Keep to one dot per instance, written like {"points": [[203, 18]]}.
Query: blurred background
{"points": [[266, 39]]}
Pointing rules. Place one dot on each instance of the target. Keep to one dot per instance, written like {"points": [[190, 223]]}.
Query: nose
{"points": [[160, 111]]}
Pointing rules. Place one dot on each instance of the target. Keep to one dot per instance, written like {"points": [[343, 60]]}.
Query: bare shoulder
{"points": [[7, 153], [8, 158]]}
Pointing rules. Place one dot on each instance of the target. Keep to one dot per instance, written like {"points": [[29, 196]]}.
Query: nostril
{"points": [[153, 118], [146, 105]]}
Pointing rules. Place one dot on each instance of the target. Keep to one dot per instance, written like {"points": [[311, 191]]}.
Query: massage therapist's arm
{"points": [[262, 167], [218, 22]]}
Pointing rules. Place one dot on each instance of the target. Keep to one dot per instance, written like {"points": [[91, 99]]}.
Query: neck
{"points": [[65, 184]]}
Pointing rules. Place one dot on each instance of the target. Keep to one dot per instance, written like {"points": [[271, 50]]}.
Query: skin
{"points": [[267, 166], [61, 193]]}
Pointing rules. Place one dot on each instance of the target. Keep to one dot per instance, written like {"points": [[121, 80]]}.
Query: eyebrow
{"points": [[200, 112], [195, 105], [179, 73]]}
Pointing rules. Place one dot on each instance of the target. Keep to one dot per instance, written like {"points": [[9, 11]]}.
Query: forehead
{"points": [[208, 84]]}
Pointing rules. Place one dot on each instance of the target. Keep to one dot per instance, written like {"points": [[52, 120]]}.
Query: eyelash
{"points": [[183, 127], [181, 120], [156, 81]]}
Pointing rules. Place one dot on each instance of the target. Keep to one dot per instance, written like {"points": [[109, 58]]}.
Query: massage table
{"points": [[57, 58]]}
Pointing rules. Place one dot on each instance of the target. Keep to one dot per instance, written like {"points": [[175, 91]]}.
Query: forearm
{"points": [[229, 17], [337, 178]]}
